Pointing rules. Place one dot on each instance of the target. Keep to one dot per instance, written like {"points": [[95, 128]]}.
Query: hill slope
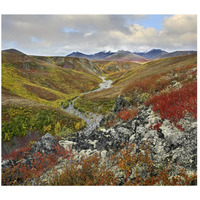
{"points": [[42, 81], [32, 93], [75, 63], [139, 73]]}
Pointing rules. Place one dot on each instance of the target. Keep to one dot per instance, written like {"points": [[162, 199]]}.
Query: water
{"points": [[91, 119]]}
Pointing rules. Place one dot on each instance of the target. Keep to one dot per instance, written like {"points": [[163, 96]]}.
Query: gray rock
{"points": [[140, 130], [103, 154], [46, 144], [120, 103], [132, 139], [124, 131], [7, 163]]}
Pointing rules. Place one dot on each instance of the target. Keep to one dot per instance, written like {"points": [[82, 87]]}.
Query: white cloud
{"points": [[88, 34], [95, 33], [180, 24]]}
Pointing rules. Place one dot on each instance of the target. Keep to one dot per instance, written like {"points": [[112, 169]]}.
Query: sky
{"points": [[59, 35]]}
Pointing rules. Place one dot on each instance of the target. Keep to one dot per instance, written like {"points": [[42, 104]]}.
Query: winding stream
{"points": [[91, 119]]}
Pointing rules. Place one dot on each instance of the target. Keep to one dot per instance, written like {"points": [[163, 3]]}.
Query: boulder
{"points": [[46, 144], [7, 163], [120, 103]]}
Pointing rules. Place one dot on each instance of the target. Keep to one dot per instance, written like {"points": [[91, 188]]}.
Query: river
{"points": [[92, 120]]}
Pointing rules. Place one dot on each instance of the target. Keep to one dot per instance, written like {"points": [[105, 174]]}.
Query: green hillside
{"points": [[32, 93]]}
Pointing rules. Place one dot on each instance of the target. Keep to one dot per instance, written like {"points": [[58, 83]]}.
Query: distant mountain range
{"points": [[110, 56], [97, 56], [153, 54], [159, 54], [122, 55], [129, 56], [126, 56], [177, 53]]}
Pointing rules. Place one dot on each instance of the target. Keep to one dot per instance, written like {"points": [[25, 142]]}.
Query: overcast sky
{"points": [[62, 34]]}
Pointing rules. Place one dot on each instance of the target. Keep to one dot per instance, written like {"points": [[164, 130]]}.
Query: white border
{"points": [[100, 7]]}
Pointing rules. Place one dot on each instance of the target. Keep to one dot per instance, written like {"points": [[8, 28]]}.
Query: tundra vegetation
{"points": [[34, 88]]}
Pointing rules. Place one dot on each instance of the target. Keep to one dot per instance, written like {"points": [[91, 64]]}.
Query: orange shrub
{"points": [[86, 172], [126, 114]]}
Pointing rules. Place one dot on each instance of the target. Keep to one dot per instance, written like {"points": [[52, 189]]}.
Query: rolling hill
{"points": [[139, 73], [33, 90], [43, 80], [35, 87]]}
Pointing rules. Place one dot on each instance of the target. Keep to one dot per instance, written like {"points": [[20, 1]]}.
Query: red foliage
{"points": [[156, 127], [17, 154], [142, 86], [175, 104], [127, 114], [40, 163], [186, 67]]}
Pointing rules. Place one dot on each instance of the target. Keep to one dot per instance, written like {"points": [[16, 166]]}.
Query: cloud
{"points": [[88, 34], [62, 34], [179, 24]]}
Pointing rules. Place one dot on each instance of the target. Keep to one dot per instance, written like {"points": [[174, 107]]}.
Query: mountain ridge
{"points": [[126, 56], [149, 55]]}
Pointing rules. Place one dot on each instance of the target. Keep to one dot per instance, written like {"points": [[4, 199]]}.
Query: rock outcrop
{"points": [[168, 144], [46, 144]]}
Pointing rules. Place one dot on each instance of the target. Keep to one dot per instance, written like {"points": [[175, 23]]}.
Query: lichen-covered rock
{"points": [[46, 144], [120, 103], [168, 144], [7, 163]]}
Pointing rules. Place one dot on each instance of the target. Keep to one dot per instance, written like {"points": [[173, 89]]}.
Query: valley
{"points": [[133, 118]]}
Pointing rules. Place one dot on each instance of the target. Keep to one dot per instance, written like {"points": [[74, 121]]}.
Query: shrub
{"points": [[17, 121], [92, 171], [21, 173], [87, 171], [126, 114], [145, 171], [175, 104]]}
